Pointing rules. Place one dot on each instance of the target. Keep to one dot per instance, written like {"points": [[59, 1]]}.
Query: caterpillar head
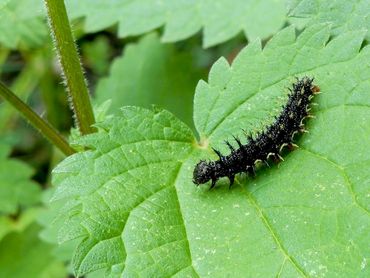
{"points": [[202, 172]]}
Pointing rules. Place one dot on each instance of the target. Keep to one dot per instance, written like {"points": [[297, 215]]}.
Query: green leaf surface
{"points": [[131, 201], [220, 20], [22, 23], [152, 73], [23, 254], [344, 15], [16, 187]]}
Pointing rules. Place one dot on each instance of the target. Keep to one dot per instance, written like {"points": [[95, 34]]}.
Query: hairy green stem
{"points": [[71, 66], [46, 129]]}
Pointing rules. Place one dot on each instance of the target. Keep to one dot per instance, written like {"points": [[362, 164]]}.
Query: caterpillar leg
{"points": [[251, 172], [292, 146], [213, 183], [231, 178]]}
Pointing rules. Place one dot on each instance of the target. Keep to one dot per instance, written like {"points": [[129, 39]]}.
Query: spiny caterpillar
{"points": [[267, 144]]}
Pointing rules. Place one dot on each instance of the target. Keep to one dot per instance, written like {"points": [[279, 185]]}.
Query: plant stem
{"points": [[45, 128], [71, 66]]}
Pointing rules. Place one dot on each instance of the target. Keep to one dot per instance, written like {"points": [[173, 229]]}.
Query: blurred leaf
{"points": [[344, 15], [131, 201], [22, 23], [152, 73], [23, 85], [10, 224], [22, 254], [97, 54], [16, 187], [221, 20]]}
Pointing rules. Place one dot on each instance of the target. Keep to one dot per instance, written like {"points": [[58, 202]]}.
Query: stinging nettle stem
{"points": [[44, 127], [71, 66]]}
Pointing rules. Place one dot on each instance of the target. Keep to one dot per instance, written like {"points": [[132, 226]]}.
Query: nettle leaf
{"points": [[221, 20], [22, 22], [131, 201], [16, 187], [148, 162], [152, 73], [343, 15]]}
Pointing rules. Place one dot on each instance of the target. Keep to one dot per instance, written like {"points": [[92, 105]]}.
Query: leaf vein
{"points": [[345, 176], [274, 234]]}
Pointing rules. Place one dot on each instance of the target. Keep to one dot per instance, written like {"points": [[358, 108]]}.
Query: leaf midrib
{"points": [[274, 235], [181, 213]]}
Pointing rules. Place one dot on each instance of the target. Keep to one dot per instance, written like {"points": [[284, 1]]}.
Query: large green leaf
{"points": [[344, 15], [221, 20], [130, 198], [16, 187], [21, 22], [152, 73]]}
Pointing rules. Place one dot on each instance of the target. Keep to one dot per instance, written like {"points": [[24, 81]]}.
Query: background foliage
{"points": [[125, 204]]}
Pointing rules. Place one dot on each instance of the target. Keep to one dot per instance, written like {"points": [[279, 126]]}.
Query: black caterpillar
{"points": [[267, 144]]}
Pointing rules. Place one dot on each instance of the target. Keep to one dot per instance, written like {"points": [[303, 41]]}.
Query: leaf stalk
{"points": [[71, 66], [40, 124]]}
